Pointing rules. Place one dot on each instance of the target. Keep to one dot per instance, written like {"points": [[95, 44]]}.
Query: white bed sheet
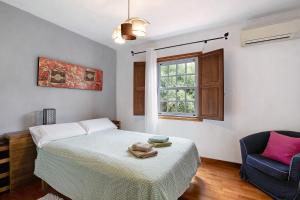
{"points": [[98, 167]]}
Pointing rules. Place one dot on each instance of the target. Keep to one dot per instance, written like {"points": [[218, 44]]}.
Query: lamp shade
{"points": [[117, 36], [139, 27], [126, 31]]}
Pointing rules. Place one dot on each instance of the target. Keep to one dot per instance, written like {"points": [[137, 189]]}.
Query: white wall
{"points": [[23, 38], [261, 92]]}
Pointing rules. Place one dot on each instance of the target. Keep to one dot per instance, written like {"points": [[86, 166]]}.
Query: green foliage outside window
{"points": [[178, 88]]}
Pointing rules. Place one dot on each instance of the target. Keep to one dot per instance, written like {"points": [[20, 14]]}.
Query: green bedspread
{"points": [[98, 167]]}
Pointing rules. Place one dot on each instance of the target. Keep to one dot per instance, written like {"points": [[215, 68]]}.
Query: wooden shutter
{"points": [[139, 88], [212, 85]]}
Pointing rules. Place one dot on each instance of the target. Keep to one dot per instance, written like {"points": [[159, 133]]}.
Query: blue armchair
{"points": [[280, 181]]}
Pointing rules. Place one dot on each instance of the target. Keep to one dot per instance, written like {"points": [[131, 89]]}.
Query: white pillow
{"points": [[46, 133], [94, 125]]}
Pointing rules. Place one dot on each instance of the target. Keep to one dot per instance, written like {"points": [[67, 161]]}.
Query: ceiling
{"points": [[95, 19]]}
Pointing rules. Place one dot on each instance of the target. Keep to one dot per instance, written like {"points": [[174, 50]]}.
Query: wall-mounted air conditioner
{"points": [[273, 32]]}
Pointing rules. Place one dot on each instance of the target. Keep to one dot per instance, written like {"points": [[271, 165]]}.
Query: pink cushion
{"points": [[282, 148]]}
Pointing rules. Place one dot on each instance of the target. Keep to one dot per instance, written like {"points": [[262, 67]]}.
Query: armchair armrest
{"points": [[294, 174], [253, 144]]}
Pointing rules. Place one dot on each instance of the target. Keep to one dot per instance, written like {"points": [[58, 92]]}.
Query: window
{"points": [[178, 87], [190, 86]]}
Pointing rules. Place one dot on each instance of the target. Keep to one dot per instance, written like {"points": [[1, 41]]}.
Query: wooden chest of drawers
{"points": [[22, 153], [4, 166], [117, 123]]}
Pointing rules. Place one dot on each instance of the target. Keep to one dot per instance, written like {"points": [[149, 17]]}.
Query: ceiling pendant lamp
{"points": [[117, 36], [126, 31], [139, 26], [126, 27], [130, 29]]}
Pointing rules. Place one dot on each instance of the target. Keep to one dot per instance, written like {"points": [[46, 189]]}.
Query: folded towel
{"points": [[140, 154], [159, 139], [141, 147], [160, 144]]}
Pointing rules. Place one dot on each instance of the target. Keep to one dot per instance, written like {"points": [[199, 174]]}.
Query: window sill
{"points": [[179, 118]]}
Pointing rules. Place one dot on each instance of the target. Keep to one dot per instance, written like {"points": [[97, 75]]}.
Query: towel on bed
{"points": [[140, 154], [158, 139], [160, 144], [144, 147]]}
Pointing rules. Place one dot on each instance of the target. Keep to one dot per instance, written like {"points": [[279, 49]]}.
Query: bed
{"points": [[98, 167]]}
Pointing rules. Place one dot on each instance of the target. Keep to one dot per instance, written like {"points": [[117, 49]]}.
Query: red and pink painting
{"points": [[54, 73]]}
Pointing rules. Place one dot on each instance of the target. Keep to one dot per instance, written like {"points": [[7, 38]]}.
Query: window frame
{"points": [[175, 59]]}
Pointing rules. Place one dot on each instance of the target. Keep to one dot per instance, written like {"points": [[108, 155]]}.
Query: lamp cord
{"points": [[128, 9]]}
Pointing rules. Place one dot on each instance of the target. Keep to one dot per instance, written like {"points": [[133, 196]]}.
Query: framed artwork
{"points": [[59, 74]]}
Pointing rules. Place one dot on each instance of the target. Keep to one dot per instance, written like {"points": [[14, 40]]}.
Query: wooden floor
{"points": [[214, 180], [221, 180]]}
